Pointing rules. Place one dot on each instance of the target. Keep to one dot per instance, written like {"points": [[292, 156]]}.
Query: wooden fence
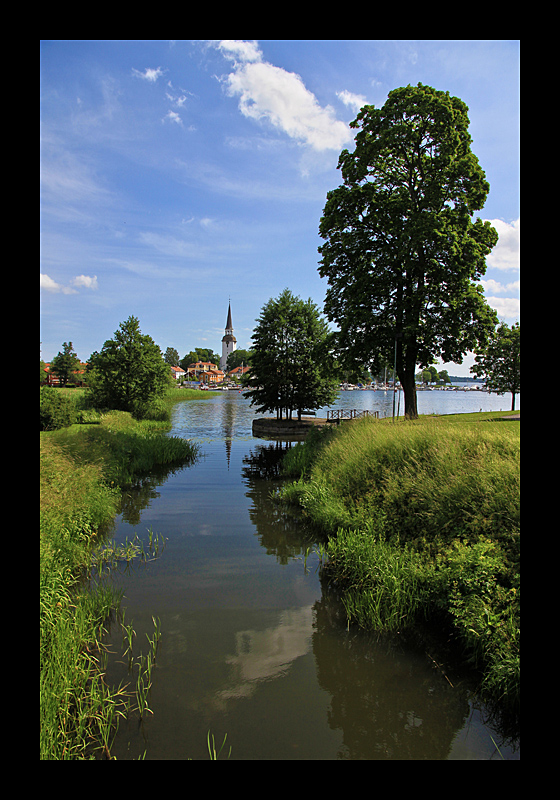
{"points": [[338, 414]]}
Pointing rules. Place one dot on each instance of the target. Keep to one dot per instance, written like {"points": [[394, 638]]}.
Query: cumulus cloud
{"points": [[353, 101], [507, 307], [83, 281], [506, 258], [500, 288], [281, 98], [49, 285], [506, 254], [237, 50]]}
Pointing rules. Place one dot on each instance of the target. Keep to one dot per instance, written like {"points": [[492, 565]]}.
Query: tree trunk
{"points": [[410, 400], [513, 401], [406, 367]]}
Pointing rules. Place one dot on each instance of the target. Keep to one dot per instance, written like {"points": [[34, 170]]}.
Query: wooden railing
{"points": [[338, 414]]}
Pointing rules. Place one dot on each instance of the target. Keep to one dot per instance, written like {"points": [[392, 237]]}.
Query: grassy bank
{"points": [[422, 520], [83, 469]]}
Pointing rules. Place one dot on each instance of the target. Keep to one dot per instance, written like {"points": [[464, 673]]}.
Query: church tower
{"points": [[229, 342]]}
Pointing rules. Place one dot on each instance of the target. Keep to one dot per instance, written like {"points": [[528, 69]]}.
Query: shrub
{"points": [[58, 410]]}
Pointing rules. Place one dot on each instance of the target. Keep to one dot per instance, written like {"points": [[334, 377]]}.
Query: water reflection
{"points": [[386, 698], [264, 655], [255, 646], [278, 530]]}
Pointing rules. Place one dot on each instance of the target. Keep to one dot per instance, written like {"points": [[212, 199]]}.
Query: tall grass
{"points": [[126, 448], [83, 469], [423, 521]]}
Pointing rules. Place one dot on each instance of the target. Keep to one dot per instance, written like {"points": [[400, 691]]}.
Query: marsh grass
{"points": [[423, 523], [82, 471]]}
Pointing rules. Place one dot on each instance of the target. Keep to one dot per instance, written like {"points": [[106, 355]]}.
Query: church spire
{"points": [[229, 342]]}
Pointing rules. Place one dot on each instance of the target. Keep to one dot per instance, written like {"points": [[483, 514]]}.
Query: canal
{"points": [[253, 643]]}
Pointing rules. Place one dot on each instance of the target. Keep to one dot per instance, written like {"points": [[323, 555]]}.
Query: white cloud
{"points": [[506, 254], [500, 288], [85, 281], [172, 116], [354, 101], [49, 285], [507, 307], [150, 75], [270, 93], [237, 50]]}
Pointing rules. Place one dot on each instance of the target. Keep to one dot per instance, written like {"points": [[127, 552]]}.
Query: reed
{"points": [[215, 754], [79, 495]]}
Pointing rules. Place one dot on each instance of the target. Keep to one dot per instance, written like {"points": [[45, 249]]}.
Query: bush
{"points": [[57, 409]]}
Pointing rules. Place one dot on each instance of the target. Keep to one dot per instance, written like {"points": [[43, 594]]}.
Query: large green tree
{"points": [[402, 253], [500, 361], [292, 364], [129, 372]]}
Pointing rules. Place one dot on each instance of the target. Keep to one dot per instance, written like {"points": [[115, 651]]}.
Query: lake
{"points": [[254, 643]]}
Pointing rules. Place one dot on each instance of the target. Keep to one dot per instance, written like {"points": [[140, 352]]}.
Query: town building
{"points": [[178, 373], [229, 342], [205, 372], [238, 372]]}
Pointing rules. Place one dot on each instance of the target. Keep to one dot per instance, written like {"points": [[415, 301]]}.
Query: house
{"points": [[52, 379], [206, 372], [178, 373], [238, 372]]}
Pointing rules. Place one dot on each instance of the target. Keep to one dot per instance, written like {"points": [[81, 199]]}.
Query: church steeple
{"points": [[229, 342], [229, 324]]}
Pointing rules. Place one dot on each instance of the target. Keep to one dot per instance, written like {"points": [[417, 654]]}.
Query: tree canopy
{"points": [[199, 354], [171, 357], [65, 363], [292, 364], [499, 362], [129, 372], [237, 358], [402, 254]]}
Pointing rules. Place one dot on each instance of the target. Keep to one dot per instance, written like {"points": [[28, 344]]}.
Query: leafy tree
{"points": [[401, 251], [499, 362], [292, 358], [199, 354], [171, 357], [239, 357], [129, 373], [65, 363]]}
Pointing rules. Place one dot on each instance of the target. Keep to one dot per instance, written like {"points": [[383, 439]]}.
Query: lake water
{"points": [[254, 645]]}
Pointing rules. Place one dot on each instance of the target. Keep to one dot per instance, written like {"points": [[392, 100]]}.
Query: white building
{"points": [[229, 342]]}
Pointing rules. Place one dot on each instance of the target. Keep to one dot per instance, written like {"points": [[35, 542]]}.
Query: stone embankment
{"points": [[269, 426]]}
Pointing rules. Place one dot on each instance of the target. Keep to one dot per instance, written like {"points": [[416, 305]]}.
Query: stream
{"points": [[254, 643]]}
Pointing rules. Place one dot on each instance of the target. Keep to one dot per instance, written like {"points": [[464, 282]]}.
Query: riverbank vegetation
{"points": [[422, 520], [83, 469]]}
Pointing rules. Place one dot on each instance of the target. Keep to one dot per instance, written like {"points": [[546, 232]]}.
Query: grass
{"points": [[422, 520], [83, 469]]}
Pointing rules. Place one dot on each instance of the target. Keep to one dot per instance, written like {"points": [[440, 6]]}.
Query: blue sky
{"points": [[176, 175]]}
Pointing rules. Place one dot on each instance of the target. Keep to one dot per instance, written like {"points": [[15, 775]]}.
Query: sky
{"points": [[179, 176]]}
